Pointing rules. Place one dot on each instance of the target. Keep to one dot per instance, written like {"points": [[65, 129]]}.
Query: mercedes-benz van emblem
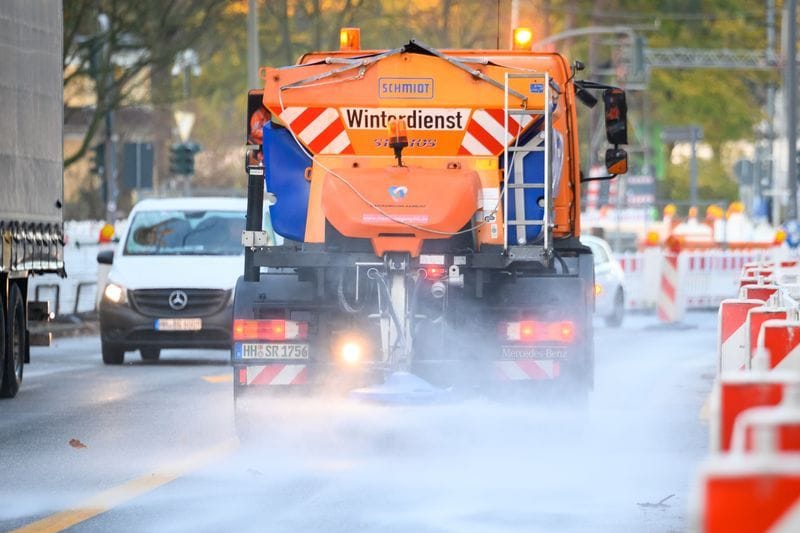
{"points": [[178, 300]]}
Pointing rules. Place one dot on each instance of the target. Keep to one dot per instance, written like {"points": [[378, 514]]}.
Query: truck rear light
{"points": [[269, 330], [535, 331], [435, 271]]}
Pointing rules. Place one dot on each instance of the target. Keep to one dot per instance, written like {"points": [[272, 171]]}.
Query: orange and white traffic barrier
{"points": [[758, 292], [773, 428], [749, 493], [670, 308], [738, 391], [734, 341], [755, 319], [780, 340]]}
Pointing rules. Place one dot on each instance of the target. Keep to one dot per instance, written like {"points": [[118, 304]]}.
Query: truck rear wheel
{"points": [[112, 355], [15, 338]]}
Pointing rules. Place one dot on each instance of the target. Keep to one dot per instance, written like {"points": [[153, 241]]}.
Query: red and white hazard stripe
{"points": [[526, 369], [755, 320], [670, 308], [758, 292], [273, 374], [485, 133], [781, 340], [757, 496], [319, 128], [734, 348]]}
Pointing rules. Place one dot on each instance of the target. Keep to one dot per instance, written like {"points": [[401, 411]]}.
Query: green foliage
{"points": [[714, 183], [726, 103]]}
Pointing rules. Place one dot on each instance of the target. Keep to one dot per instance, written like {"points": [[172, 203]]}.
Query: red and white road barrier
{"points": [[780, 341], [771, 428], [738, 391], [272, 374], [670, 307], [752, 481], [758, 292], [706, 277], [754, 493], [755, 319], [734, 339]]}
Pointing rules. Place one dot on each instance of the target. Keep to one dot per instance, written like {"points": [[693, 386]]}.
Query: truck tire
{"points": [[112, 355], [14, 343], [150, 354]]}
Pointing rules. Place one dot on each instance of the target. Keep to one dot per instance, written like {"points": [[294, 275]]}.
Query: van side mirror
{"points": [[105, 257], [616, 116], [616, 161]]}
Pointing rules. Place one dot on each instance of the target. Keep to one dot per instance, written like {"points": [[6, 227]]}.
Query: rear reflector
{"points": [[534, 331], [269, 330]]}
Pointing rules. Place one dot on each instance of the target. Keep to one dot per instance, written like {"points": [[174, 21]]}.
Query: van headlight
{"points": [[115, 293]]}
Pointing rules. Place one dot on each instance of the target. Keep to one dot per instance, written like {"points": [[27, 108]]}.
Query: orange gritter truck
{"points": [[428, 202]]}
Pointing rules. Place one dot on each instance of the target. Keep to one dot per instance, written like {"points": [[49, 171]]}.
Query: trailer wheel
{"points": [[112, 355], [14, 344], [150, 354]]}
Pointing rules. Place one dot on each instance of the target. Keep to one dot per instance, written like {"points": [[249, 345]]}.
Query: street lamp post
{"points": [[107, 82]]}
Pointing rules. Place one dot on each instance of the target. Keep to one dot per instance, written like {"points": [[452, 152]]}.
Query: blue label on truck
{"points": [[537, 88]]}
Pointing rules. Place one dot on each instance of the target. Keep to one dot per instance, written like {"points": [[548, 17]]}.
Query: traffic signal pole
{"points": [[110, 168]]}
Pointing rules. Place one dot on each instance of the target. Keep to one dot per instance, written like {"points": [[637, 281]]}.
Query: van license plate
{"points": [[179, 324], [274, 351]]}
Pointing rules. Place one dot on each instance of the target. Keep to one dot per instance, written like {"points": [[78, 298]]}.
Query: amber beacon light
{"points": [[349, 39], [523, 38]]}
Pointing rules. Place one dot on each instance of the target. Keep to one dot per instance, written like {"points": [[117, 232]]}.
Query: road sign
{"points": [[185, 122], [137, 166], [674, 134]]}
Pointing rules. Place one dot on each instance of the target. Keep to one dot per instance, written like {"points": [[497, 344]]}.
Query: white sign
{"points": [[185, 121]]}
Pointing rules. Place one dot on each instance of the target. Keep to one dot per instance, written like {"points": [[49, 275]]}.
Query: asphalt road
{"points": [[152, 447]]}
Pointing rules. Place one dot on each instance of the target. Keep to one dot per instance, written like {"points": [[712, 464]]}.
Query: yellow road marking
{"points": [[115, 496], [222, 378]]}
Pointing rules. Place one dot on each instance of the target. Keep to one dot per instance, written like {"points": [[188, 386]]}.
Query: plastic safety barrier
{"points": [[752, 481]]}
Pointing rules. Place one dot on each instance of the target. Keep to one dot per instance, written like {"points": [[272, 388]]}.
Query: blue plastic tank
{"points": [[285, 164]]}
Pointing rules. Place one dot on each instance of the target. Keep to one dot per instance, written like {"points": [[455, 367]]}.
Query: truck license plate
{"points": [[179, 324], [274, 351], [513, 353]]}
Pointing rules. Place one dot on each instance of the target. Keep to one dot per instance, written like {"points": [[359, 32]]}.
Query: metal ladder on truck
{"points": [[515, 185]]}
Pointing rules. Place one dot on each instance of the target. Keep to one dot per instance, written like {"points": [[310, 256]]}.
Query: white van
{"points": [[172, 277]]}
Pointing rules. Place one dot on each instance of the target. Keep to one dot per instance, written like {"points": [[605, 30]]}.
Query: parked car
{"points": [[172, 276], [609, 288]]}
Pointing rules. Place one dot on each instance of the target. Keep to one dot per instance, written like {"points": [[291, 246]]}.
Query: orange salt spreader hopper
{"points": [[424, 203]]}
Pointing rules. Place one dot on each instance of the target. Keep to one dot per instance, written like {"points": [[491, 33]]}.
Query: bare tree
{"points": [[141, 37]]}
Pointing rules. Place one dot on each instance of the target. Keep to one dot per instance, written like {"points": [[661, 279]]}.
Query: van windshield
{"points": [[186, 233]]}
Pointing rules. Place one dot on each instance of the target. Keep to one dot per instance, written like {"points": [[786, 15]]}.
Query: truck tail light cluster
{"points": [[269, 330], [534, 331]]}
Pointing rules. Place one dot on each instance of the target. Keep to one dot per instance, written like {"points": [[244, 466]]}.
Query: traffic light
{"points": [[97, 162], [181, 159]]}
